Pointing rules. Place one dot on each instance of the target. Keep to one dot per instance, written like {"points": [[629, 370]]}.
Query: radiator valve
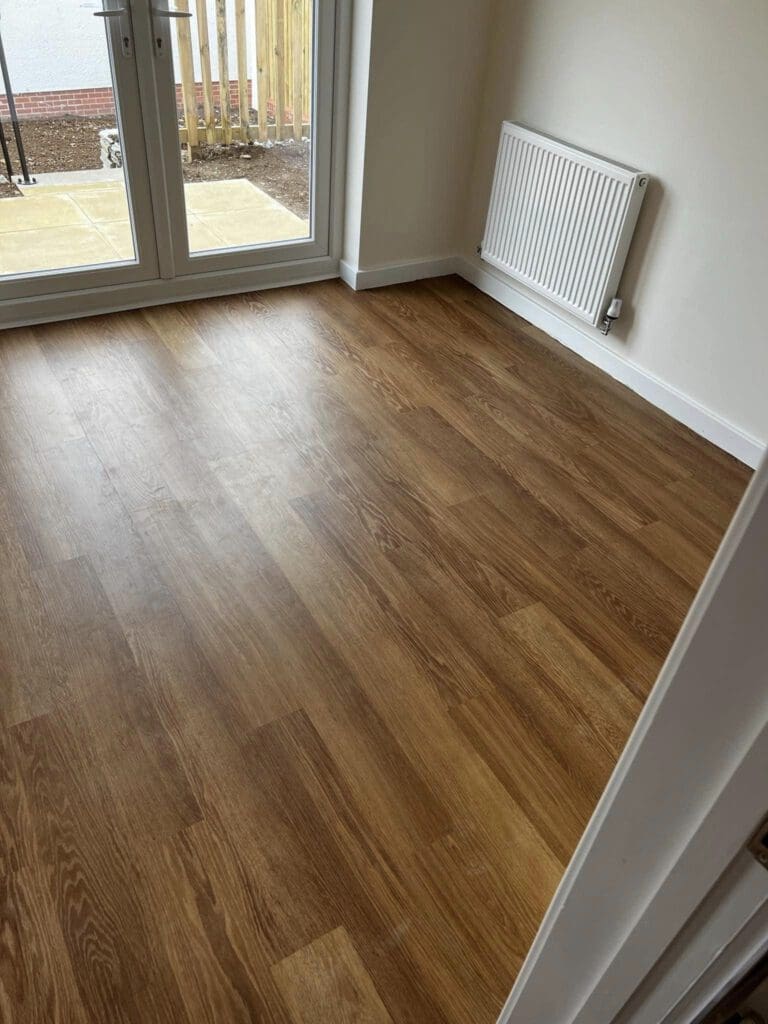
{"points": [[612, 315]]}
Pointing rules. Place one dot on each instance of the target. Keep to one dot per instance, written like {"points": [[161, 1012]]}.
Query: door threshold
{"points": [[23, 312]]}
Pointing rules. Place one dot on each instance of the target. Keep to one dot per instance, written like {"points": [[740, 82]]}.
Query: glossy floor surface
{"points": [[323, 619]]}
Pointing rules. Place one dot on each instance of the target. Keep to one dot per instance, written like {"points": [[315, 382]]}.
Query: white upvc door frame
{"points": [[690, 788], [720, 943], [170, 274], [125, 86], [163, 145]]}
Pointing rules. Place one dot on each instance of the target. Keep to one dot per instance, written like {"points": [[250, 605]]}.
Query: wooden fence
{"points": [[282, 104]]}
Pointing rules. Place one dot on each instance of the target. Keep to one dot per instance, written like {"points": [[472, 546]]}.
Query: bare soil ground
{"points": [[72, 144], [282, 170], [63, 144]]}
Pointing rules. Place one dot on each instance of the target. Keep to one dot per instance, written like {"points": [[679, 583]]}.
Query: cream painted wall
{"points": [[410, 168], [681, 90], [360, 55]]}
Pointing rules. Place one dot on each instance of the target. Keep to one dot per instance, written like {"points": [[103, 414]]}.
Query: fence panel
{"points": [[281, 79]]}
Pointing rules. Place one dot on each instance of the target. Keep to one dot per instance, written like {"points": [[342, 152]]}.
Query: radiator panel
{"points": [[560, 220]]}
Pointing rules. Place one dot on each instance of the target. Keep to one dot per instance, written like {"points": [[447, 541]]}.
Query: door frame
{"points": [[128, 109], [718, 946], [91, 299], [688, 791], [163, 146]]}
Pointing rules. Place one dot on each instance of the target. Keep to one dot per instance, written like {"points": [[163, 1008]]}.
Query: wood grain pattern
{"points": [[328, 972], [323, 620]]}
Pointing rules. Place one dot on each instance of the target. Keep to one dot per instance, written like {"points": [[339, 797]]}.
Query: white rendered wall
{"points": [[59, 44], [54, 44]]}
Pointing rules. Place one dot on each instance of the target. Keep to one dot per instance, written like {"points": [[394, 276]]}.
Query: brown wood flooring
{"points": [[323, 619]]}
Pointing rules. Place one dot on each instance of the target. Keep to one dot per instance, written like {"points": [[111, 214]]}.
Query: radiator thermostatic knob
{"points": [[611, 316], [614, 310]]}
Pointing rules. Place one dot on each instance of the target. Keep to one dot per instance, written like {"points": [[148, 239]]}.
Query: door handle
{"points": [[166, 13], [126, 43]]}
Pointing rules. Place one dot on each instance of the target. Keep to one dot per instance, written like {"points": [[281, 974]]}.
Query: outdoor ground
{"points": [[60, 223], [72, 144], [282, 170]]}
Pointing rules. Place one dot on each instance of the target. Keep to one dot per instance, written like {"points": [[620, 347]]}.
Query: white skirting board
{"points": [[679, 406], [384, 274]]}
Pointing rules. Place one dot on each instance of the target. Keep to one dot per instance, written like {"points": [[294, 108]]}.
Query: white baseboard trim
{"points": [[395, 273], [681, 407], [348, 274]]}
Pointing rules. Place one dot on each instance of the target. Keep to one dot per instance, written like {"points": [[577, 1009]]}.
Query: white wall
{"points": [[59, 44], [421, 99], [360, 47], [681, 90], [54, 44]]}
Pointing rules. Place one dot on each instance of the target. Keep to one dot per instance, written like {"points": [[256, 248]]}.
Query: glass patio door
{"points": [[244, 100], [146, 141], [75, 208]]}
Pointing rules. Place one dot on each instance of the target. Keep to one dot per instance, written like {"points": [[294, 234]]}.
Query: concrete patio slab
{"points": [[202, 237], [220, 196], [102, 204], [119, 235], [54, 248], [19, 213], [256, 226], [110, 177], [66, 223]]}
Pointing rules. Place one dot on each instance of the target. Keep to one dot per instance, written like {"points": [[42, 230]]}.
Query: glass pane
{"points": [[243, 72], [63, 200]]}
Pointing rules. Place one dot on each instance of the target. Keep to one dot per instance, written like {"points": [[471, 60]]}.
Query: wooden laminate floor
{"points": [[323, 619]]}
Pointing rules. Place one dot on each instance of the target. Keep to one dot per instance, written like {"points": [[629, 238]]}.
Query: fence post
{"points": [[307, 57], [205, 68], [187, 68], [280, 67], [263, 84], [297, 61], [242, 69], [221, 38]]}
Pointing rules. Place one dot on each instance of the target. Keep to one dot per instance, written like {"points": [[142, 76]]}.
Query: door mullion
{"points": [[151, 82]]}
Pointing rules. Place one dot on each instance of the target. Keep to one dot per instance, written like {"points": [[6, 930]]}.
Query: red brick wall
{"points": [[91, 102], [234, 100], [78, 102]]}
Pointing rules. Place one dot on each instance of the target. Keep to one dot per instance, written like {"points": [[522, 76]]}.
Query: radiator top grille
{"points": [[560, 220]]}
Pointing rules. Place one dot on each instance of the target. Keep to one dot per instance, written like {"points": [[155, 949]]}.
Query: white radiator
{"points": [[560, 220]]}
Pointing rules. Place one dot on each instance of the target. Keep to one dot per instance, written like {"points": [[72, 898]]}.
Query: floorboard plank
{"points": [[328, 976]]}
